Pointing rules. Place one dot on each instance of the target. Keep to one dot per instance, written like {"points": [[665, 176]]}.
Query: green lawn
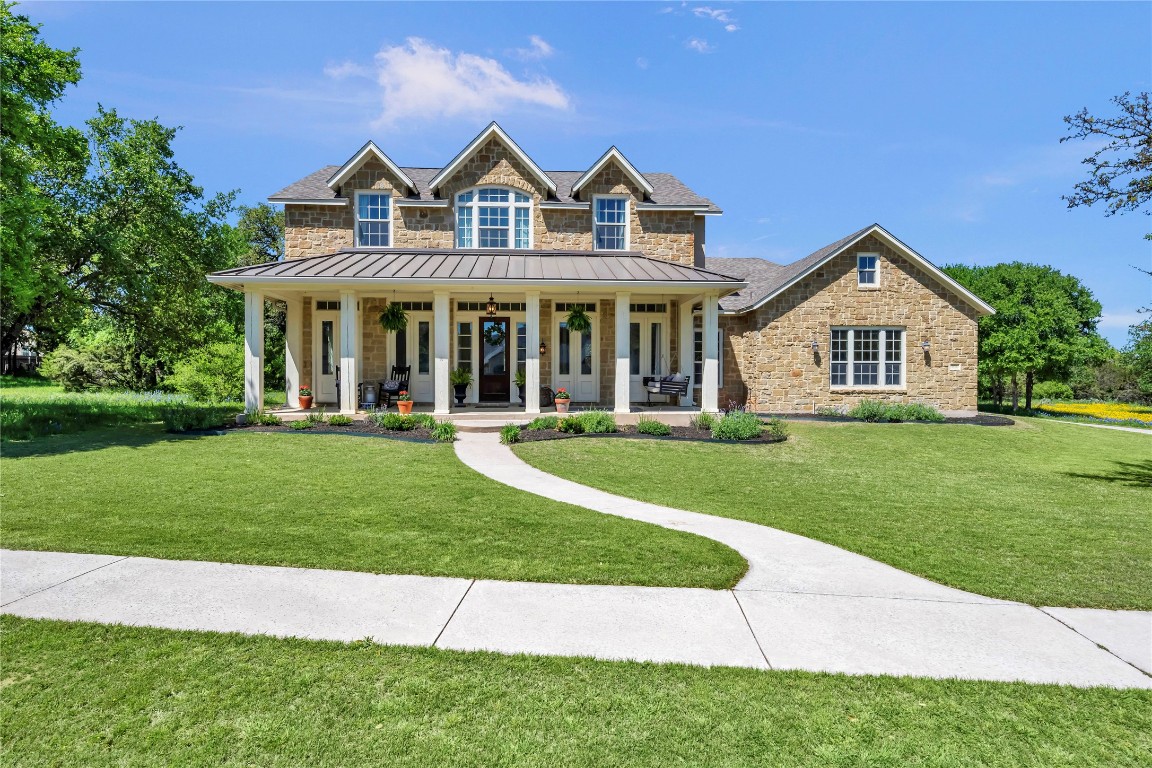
{"points": [[83, 694], [1044, 513], [325, 501]]}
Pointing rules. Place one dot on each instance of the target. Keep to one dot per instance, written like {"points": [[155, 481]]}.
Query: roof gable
{"points": [[613, 155], [493, 130], [344, 172], [777, 279]]}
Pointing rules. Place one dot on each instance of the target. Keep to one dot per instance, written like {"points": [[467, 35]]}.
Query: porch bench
{"points": [[670, 386]]}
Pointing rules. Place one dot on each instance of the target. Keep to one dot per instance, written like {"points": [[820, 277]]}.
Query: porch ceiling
{"points": [[461, 268]]}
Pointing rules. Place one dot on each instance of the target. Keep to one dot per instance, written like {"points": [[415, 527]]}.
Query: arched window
{"points": [[493, 217]]}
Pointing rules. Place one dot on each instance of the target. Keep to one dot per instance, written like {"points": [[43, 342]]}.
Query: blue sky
{"points": [[804, 122]]}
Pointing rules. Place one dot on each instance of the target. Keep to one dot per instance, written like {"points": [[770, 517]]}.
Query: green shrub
{"points": [[542, 423], [424, 420], [397, 421], [509, 433], [1052, 390], [776, 429], [444, 432], [212, 373], [316, 417], [648, 426], [597, 422], [301, 424], [264, 419], [571, 424], [877, 411], [340, 420], [91, 361], [737, 425], [182, 417], [703, 420]]}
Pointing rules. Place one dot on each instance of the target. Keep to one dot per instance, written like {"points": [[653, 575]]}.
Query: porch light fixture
{"points": [[543, 349], [491, 308], [815, 346], [925, 345]]}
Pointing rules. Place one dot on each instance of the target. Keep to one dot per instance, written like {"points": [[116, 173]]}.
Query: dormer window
{"points": [[492, 217], [610, 223], [373, 219]]}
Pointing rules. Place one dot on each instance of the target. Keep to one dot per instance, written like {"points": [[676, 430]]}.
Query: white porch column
{"points": [[687, 348], [709, 391], [532, 354], [440, 326], [293, 349], [253, 351], [623, 358], [349, 343]]}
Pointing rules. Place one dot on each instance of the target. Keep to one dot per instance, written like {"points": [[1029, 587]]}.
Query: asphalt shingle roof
{"points": [[666, 188]]}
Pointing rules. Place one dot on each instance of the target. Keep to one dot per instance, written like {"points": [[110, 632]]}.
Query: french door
{"points": [[494, 379], [577, 361], [647, 352], [413, 346]]}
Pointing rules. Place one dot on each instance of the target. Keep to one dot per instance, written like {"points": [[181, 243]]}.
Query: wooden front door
{"points": [[495, 386]]}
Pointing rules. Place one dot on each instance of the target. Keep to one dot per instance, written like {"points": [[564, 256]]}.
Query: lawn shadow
{"points": [[128, 436], [1134, 473]]}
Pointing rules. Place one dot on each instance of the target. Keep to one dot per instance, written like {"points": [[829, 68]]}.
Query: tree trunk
{"points": [[998, 392], [1028, 381], [1015, 393]]}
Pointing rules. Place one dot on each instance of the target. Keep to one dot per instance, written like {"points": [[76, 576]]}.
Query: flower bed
{"points": [[1108, 413], [729, 428]]}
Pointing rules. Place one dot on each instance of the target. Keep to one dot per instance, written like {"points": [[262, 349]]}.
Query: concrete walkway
{"points": [[802, 605]]}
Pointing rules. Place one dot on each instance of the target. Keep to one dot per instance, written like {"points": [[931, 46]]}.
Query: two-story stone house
{"points": [[488, 255]]}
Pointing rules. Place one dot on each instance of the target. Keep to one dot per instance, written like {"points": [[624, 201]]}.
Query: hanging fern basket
{"points": [[578, 320], [393, 319]]}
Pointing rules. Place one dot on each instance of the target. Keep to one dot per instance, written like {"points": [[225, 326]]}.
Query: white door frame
{"points": [[582, 387], [324, 386], [422, 386]]}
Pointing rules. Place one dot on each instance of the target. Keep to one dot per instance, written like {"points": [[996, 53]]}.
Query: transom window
{"points": [[867, 357], [867, 269], [492, 217], [611, 223], [373, 219]]}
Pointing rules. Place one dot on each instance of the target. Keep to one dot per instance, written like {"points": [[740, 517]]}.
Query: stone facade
{"points": [[314, 230], [770, 350]]}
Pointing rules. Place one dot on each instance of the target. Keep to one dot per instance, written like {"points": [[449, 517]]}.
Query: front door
{"points": [[494, 380], [576, 362], [326, 330], [413, 346], [647, 352]]}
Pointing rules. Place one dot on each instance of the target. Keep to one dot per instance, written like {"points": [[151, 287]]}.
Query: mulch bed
{"points": [[359, 429], [629, 431]]}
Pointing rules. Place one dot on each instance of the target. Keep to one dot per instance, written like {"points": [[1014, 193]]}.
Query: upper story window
{"points": [[867, 270], [373, 219], [492, 217], [610, 223]]}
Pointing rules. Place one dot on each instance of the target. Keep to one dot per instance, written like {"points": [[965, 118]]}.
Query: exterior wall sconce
{"points": [[925, 345], [815, 346], [543, 349], [491, 308]]}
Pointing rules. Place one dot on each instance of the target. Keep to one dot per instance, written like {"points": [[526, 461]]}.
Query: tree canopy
{"points": [[1045, 322]]}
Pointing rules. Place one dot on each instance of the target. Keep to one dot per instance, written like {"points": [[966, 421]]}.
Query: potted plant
{"points": [[461, 379], [562, 399], [404, 402], [520, 378], [305, 397], [578, 320]]}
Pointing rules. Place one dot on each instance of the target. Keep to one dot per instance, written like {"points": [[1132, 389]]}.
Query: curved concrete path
{"points": [[803, 605]]}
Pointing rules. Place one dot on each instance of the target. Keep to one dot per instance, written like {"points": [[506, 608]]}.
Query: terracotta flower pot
{"points": [[561, 406], [404, 406], [305, 401]]}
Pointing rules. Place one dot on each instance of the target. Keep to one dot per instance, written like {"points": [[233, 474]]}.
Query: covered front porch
{"points": [[648, 319]]}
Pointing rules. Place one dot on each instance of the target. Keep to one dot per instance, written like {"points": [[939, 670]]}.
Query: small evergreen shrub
{"points": [[703, 421], [737, 425], [1052, 390], [597, 422], [424, 420], [542, 423], [396, 421], [444, 432], [301, 424], [647, 426], [509, 433], [877, 411], [340, 420], [571, 424]]}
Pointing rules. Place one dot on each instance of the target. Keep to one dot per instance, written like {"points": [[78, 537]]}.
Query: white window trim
{"points": [[883, 341], [868, 286], [476, 204], [356, 217], [627, 221]]}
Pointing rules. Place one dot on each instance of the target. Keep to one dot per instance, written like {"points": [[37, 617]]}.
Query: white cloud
{"points": [[538, 49], [1121, 319], [721, 15], [699, 45], [422, 81]]}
